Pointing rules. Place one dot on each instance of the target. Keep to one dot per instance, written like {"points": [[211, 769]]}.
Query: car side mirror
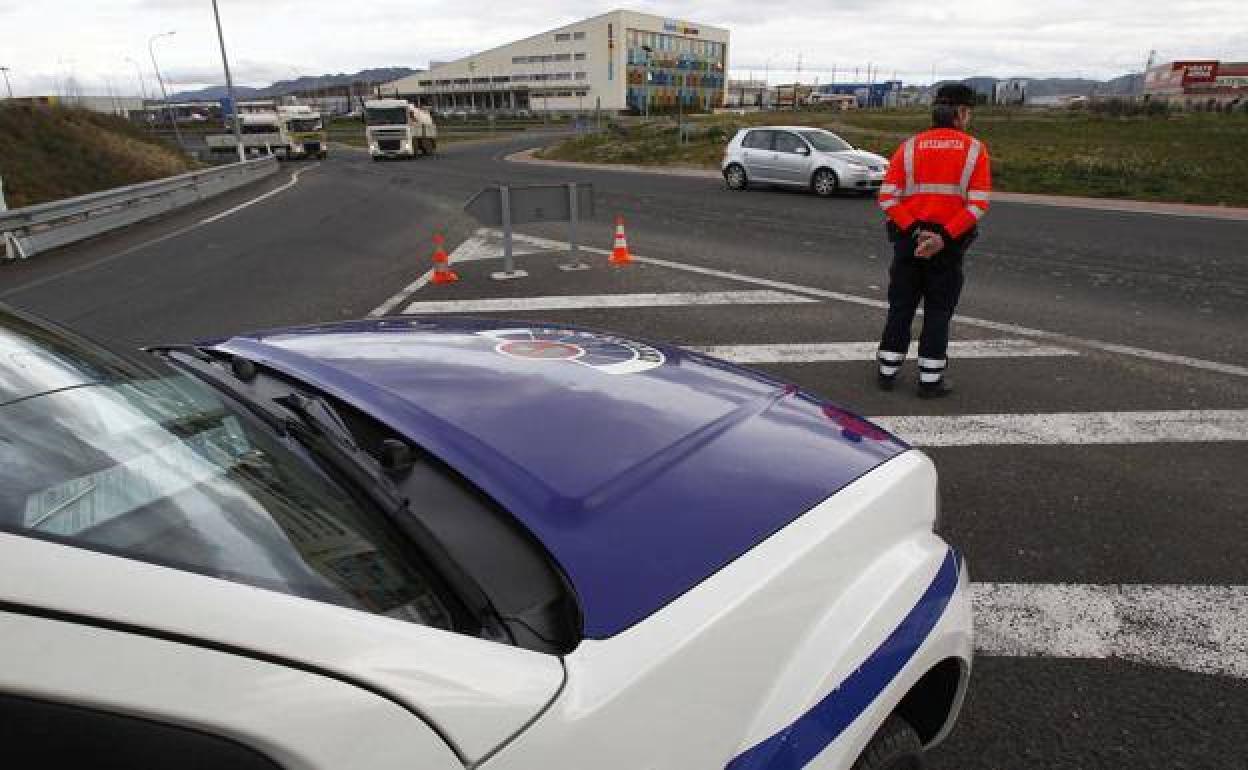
{"points": [[803, 150]]}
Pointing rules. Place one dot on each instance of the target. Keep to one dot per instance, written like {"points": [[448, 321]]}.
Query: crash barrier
{"points": [[31, 230], [507, 205]]}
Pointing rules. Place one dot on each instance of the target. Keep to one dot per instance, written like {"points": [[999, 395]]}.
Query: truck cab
{"points": [[396, 129], [305, 129], [262, 132]]}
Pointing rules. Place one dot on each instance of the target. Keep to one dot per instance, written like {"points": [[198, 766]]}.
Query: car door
{"points": [[757, 155], [791, 159]]}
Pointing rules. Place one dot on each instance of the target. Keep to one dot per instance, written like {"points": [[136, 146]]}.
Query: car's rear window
{"points": [[758, 140]]}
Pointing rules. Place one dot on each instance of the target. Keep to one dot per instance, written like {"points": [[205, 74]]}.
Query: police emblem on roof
{"points": [[606, 354]]}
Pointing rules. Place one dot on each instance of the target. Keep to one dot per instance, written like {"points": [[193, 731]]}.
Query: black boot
{"points": [[938, 389]]}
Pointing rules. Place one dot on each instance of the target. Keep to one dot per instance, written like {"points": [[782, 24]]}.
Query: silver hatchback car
{"points": [[800, 156]]}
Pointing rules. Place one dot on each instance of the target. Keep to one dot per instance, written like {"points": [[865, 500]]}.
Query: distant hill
{"points": [[306, 83], [1125, 85]]}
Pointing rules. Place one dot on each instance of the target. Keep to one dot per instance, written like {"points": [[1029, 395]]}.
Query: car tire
{"points": [[735, 178], [895, 746], [824, 183]]}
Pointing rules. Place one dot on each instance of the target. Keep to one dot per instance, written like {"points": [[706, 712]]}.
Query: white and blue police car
{"points": [[447, 544]]}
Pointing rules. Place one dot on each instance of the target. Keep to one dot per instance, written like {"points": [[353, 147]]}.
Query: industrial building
{"points": [[1198, 84], [621, 61]]}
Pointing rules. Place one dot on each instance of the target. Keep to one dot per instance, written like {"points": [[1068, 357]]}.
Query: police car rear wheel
{"points": [[824, 182], [896, 746], [735, 177]]}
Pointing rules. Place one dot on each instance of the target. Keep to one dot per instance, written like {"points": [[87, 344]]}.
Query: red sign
{"points": [[1197, 71]]}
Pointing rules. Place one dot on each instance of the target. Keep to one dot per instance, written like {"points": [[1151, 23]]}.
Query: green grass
{"points": [[52, 153], [1184, 157]]}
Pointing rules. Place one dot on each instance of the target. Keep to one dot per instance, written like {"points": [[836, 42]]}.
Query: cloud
{"points": [[281, 39]]}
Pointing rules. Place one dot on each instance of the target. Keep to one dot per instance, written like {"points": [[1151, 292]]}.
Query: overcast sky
{"points": [[47, 42]]}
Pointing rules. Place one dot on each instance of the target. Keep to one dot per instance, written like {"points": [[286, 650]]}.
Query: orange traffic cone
{"points": [[442, 272], [619, 254]]}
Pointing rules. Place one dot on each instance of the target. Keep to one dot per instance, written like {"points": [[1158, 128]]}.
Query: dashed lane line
{"points": [[1022, 331], [782, 353], [1198, 628], [1210, 425], [590, 301]]}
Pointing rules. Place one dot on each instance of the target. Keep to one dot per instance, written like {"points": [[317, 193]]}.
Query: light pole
{"points": [[7, 84], [645, 80], [139, 72], [151, 50], [762, 98], [229, 87]]}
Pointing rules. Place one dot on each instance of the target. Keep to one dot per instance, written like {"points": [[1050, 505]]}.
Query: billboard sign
{"points": [[1197, 71]]}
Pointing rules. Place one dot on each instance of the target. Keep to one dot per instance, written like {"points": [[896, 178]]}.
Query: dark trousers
{"points": [[937, 283]]}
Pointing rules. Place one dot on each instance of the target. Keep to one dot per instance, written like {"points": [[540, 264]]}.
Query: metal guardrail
{"points": [[30, 230]]}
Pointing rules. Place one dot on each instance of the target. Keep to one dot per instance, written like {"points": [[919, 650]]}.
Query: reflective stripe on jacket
{"points": [[941, 177]]}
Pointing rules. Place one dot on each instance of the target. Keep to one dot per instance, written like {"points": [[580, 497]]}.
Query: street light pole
{"points": [[7, 84], [139, 72], [229, 87], [645, 80], [160, 79]]}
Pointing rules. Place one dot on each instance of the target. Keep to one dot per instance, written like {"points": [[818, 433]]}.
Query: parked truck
{"points": [[396, 129], [305, 132]]}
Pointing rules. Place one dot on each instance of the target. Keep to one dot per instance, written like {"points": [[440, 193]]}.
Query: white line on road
{"points": [[294, 179], [575, 302], [470, 250], [1109, 347], [1192, 627], [865, 351], [1070, 428]]}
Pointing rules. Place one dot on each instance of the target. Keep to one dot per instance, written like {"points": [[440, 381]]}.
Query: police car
{"points": [[451, 543]]}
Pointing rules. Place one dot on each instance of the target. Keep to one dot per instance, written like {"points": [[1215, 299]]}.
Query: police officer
{"points": [[934, 194]]}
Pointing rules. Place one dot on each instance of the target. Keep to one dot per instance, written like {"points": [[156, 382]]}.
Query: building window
{"points": [[578, 35], [563, 37], [580, 57], [580, 76], [563, 76], [426, 83], [519, 59], [563, 57]]}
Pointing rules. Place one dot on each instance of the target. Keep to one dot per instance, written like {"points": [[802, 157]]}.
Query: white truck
{"points": [[262, 132], [396, 129], [305, 132]]}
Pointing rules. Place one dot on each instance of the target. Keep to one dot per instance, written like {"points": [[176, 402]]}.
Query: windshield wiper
{"points": [[320, 430]]}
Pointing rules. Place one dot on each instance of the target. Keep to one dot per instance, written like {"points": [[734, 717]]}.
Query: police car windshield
{"points": [[157, 466], [825, 141]]}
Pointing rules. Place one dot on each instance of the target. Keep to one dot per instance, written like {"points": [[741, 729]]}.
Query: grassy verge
{"points": [[1189, 158], [52, 153]]}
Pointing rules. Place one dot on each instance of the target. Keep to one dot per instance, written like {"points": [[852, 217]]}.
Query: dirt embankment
{"points": [[50, 153]]}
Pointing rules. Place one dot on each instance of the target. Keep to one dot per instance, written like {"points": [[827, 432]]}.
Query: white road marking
{"points": [[154, 241], [576, 302], [1070, 428], [865, 351], [1024, 331], [294, 180], [1192, 627], [470, 250]]}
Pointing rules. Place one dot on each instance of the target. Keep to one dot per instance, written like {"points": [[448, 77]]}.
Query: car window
{"points": [[825, 141], [758, 140], [165, 470], [786, 142]]}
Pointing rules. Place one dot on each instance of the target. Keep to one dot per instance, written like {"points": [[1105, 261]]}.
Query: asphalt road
{"points": [[351, 233]]}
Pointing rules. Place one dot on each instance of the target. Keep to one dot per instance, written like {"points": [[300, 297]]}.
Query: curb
{"points": [[1229, 213]]}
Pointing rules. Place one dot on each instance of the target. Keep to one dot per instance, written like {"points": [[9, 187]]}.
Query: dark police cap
{"points": [[956, 95]]}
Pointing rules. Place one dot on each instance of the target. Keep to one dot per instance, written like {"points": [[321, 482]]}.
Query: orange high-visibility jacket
{"points": [[940, 177]]}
